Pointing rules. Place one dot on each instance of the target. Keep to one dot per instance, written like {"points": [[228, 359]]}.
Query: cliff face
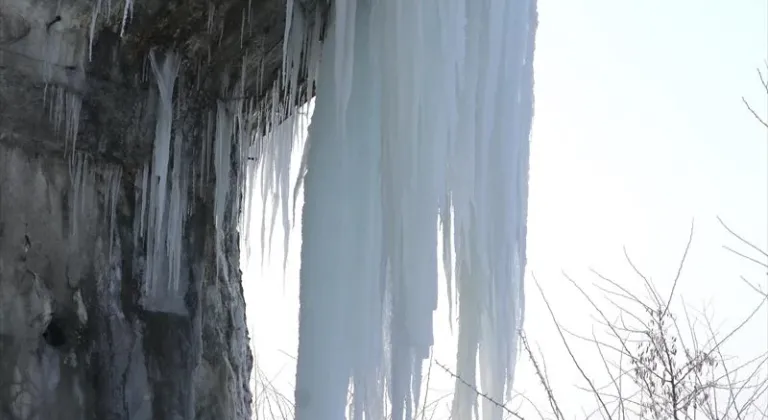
{"points": [[86, 330], [76, 338]]}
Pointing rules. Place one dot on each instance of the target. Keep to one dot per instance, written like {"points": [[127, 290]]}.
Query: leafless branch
{"points": [[764, 83], [570, 352], [669, 378], [744, 241], [754, 113], [479, 393]]}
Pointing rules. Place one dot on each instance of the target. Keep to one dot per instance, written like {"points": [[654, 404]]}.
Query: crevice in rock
{"points": [[55, 334]]}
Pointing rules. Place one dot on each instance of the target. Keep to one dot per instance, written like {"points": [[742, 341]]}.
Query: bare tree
{"points": [[661, 364]]}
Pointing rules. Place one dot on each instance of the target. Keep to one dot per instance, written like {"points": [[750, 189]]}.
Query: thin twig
{"points": [[739, 237], [568, 348], [679, 271], [477, 391], [754, 113]]}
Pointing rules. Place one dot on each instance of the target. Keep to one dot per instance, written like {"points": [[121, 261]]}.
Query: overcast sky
{"points": [[639, 129]]}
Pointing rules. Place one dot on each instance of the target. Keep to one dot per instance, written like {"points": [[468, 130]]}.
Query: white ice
{"points": [[166, 208], [421, 126]]}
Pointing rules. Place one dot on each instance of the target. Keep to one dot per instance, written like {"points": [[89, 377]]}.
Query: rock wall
{"points": [[83, 333], [75, 339]]}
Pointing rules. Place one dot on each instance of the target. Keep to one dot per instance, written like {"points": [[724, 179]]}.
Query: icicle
{"points": [[344, 25], [490, 209], [289, 18], [446, 227], [242, 30], [249, 187], [176, 214], [92, 29], [111, 197], [341, 246], [211, 15], [162, 250], [206, 148], [83, 200], [222, 160], [139, 191], [127, 11], [282, 125], [303, 165], [76, 181], [64, 113], [144, 189]]}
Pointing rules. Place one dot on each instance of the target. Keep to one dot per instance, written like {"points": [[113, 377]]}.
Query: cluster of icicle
{"points": [[162, 201], [63, 105], [163, 197], [421, 127]]}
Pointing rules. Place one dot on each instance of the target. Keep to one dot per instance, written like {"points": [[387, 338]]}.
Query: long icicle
{"points": [[161, 248]]}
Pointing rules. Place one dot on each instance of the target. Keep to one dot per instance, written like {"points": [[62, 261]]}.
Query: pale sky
{"points": [[639, 128]]}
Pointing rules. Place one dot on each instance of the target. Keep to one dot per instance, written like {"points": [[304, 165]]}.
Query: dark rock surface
{"points": [[80, 336], [75, 341]]}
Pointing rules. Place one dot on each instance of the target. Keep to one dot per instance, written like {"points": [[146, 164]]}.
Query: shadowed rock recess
{"points": [[120, 288]]}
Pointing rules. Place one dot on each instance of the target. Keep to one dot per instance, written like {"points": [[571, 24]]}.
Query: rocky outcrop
{"points": [[83, 333], [76, 341]]}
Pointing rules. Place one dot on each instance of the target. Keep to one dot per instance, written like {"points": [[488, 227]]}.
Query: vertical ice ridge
{"points": [[497, 206], [222, 162], [163, 238], [111, 197]]}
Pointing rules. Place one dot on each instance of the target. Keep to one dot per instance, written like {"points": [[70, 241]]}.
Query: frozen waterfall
{"points": [[421, 128]]}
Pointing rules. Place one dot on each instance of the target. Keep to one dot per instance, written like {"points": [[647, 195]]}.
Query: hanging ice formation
{"points": [[222, 159], [162, 204], [112, 180], [64, 112], [233, 128], [422, 119]]}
